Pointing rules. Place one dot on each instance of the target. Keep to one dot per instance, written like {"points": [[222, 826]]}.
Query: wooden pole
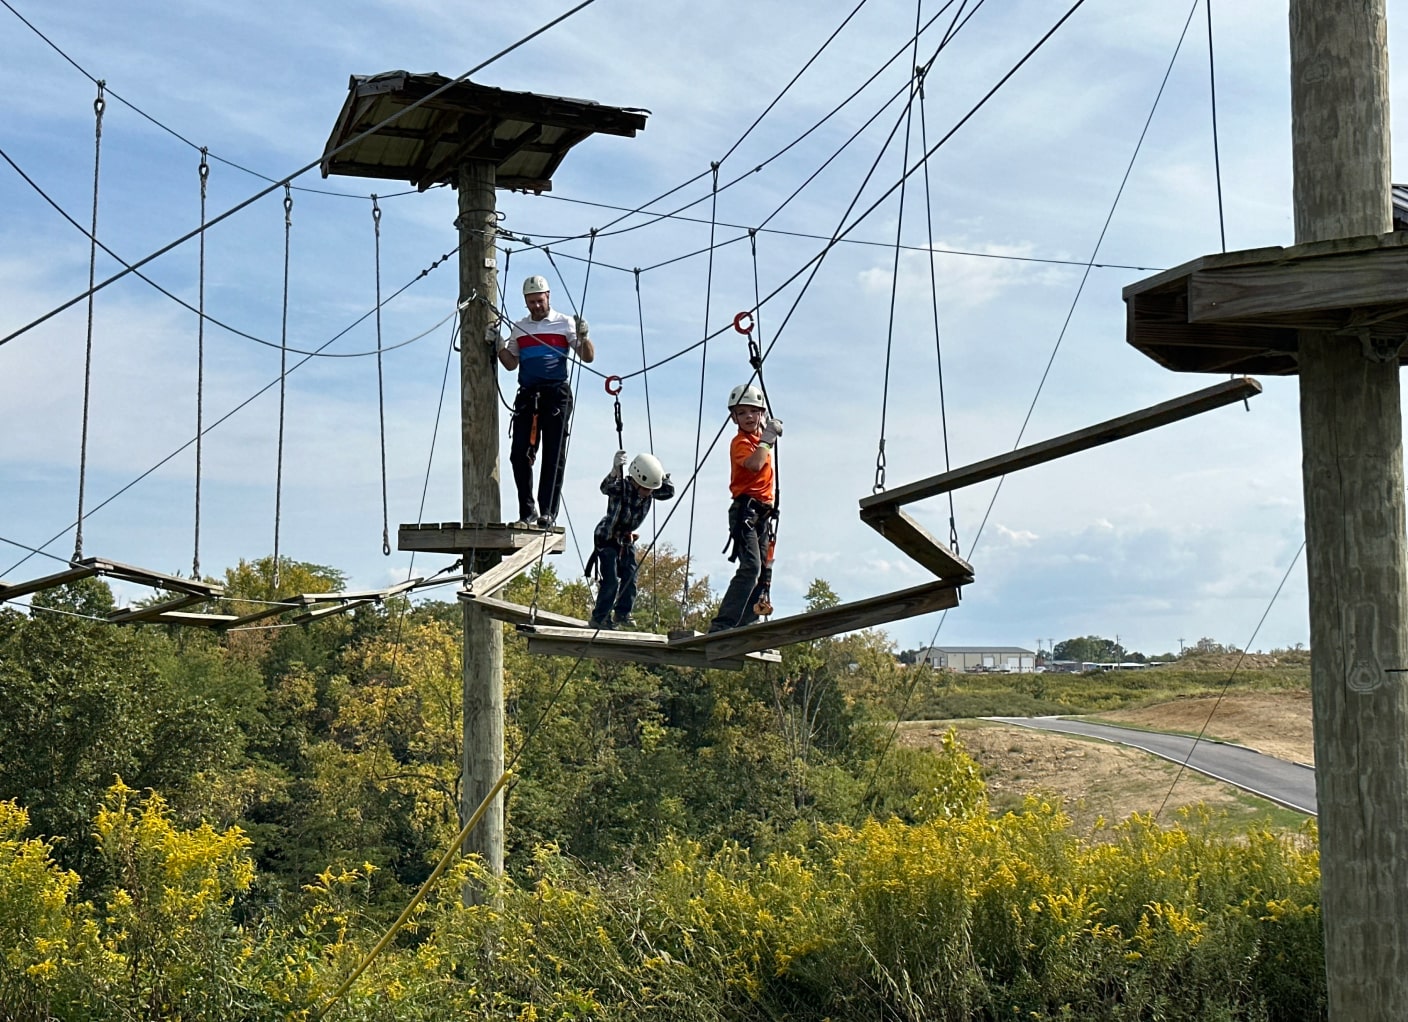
{"points": [[1351, 435], [483, 754]]}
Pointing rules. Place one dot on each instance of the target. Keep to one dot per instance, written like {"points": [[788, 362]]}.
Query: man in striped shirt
{"points": [[539, 347]]}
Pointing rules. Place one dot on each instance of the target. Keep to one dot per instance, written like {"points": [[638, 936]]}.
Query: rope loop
{"points": [[880, 467], [100, 104], [376, 213], [204, 169], [288, 205]]}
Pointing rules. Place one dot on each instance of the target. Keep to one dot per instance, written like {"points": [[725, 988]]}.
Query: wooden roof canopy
{"points": [[523, 134], [1238, 312]]}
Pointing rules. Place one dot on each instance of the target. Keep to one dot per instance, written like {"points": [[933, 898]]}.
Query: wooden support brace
{"points": [[1228, 392], [517, 614], [816, 624], [10, 591], [486, 583]]}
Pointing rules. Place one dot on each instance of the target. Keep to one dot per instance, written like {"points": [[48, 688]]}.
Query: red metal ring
{"points": [[738, 322], [617, 381]]}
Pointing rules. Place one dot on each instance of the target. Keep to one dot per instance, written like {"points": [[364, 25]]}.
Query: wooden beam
{"points": [[187, 618], [918, 543], [361, 596], [1093, 436], [12, 590], [816, 624], [488, 582], [636, 647], [155, 579], [517, 614], [262, 614], [139, 615], [319, 613]]}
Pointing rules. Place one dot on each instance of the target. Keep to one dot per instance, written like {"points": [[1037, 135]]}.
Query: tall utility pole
{"points": [[483, 672], [1351, 434], [431, 130]]}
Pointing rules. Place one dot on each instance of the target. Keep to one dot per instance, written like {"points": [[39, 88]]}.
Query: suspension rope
{"points": [[934, 295], [1216, 157], [319, 353], [380, 386], [204, 173], [650, 436], [99, 105], [703, 366], [1095, 251], [283, 387], [895, 276], [284, 183], [307, 357]]}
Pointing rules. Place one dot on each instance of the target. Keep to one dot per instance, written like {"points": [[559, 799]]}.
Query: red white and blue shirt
{"points": [[542, 347]]}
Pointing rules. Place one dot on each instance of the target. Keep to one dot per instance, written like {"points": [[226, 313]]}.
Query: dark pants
{"points": [[540, 418], [747, 527], [617, 562]]}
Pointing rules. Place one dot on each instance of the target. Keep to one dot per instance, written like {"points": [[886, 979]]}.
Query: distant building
{"points": [[1012, 659]]}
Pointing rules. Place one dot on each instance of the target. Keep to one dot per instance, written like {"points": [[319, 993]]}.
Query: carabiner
{"points": [[609, 381], [739, 320]]}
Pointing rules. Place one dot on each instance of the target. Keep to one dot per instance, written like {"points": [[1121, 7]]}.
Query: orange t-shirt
{"points": [[743, 482]]}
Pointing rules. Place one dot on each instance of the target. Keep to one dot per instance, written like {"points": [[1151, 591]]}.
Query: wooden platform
{"points": [[461, 538], [637, 647], [1238, 312]]}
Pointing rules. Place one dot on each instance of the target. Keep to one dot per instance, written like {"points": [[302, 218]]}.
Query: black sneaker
{"points": [[545, 521], [600, 625], [625, 621]]}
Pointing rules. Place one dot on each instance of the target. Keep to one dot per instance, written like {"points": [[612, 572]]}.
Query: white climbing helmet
{"points": [[647, 471], [535, 285], [746, 394]]}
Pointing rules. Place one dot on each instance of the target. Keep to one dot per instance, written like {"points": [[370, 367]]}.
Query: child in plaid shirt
{"points": [[630, 491]]}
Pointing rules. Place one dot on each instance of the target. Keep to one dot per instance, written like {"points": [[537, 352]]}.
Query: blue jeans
{"points": [[747, 526], [618, 581]]}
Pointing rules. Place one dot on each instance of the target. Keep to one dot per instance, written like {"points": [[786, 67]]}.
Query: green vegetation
{"points": [[198, 826]]}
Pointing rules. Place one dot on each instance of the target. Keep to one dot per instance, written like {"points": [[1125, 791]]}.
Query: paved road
{"points": [[1290, 784]]}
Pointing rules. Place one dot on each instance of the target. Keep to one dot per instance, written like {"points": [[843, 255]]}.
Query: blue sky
{"points": [[1170, 536]]}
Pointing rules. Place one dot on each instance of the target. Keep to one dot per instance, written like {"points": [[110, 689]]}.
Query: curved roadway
{"points": [[1289, 784]]}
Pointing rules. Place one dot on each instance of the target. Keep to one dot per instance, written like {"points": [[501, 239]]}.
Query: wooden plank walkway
{"points": [[1228, 392], [637, 647], [816, 624]]}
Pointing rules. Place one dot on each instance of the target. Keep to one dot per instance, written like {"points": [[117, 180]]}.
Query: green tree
{"points": [[1089, 649]]}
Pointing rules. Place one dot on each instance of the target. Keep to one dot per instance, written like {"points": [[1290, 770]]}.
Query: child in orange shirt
{"points": [[751, 483]]}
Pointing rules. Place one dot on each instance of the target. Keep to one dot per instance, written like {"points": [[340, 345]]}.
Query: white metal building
{"points": [[1012, 659]]}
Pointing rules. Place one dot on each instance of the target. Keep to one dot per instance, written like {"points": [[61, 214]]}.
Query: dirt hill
{"points": [[1099, 780]]}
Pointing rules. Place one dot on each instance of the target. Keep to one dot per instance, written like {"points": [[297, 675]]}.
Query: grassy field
{"points": [[1035, 695], [1266, 708]]}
